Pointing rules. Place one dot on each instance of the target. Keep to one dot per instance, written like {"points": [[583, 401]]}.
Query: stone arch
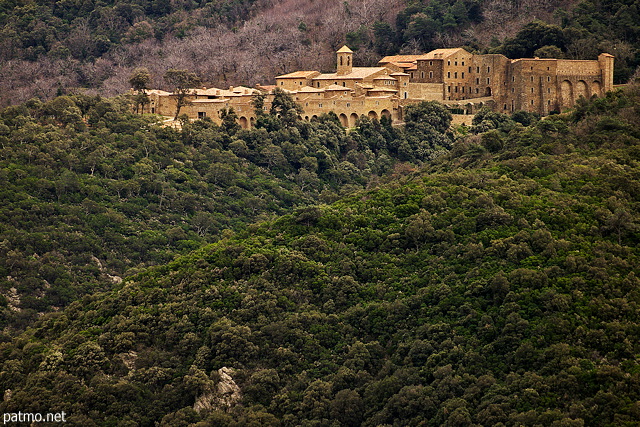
{"points": [[566, 91], [581, 89], [386, 113], [306, 118], [244, 123], [596, 88], [343, 120], [353, 118], [372, 115], [314, 117]]}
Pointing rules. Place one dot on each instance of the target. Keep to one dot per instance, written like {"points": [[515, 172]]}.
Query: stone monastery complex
{"points": [[463, 81]]}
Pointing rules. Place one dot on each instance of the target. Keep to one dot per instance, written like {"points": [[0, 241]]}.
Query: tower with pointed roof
{"points": [[345, 61]]}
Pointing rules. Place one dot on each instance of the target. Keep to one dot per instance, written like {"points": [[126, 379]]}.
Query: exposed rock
{"points": [[13, 299], [129, 359], [225, 394], [114, 279]]}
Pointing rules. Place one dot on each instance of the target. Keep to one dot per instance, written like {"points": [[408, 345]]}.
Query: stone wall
{"points": [[425, 91]]}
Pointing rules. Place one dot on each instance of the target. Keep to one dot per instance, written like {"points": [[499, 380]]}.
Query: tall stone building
{"points": [[507, 85], [461, 80]]}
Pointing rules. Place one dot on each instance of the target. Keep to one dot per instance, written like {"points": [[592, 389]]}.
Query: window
{"points": [[548, 78], [202, 114], [449, 89], [300, 83], [406, 95], [411, 74], [348, 104], [455, 75], [448, 74], [448, 62], [318, 84], [477, 80], [531, 90], [504, 107], [513, 90], [513, 78], [532, 102], [463, 74], [404, 84], [548, 68], [469, 69], [531, 78], [431, 63], [463, 63], [455, 63], [456, 89], [320, 104], [477, 69], [281, 83], [488, 81], [477, 90], [422, 74], [430, 74], [344, 84], [488, 69], [548, 90]]}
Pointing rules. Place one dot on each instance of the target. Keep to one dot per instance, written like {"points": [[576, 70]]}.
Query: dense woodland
{"points": [[54, 48], [92, 193], [495, 285]]}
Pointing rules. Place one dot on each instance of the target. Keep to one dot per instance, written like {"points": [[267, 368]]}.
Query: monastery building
{"points": [[463, 81]]}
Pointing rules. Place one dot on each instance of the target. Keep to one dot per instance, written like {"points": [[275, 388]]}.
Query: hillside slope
{"points": [[92, 193], [499, 285], [48, 49]]}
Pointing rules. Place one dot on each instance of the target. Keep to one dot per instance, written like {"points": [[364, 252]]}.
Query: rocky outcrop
{"points": [[223, 395]]}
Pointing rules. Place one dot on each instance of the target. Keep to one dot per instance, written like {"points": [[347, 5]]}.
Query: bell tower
{"points": [[345, 61]]}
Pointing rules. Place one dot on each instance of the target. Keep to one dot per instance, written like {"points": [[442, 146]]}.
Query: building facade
{"points": [[461, 80]]}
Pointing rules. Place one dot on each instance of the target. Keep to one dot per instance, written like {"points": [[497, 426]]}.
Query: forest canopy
{"points": [[94, 193], [496, 285]]}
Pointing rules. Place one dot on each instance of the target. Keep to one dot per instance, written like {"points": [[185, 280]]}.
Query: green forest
{"points": [[92, 193], [377, 277]]}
